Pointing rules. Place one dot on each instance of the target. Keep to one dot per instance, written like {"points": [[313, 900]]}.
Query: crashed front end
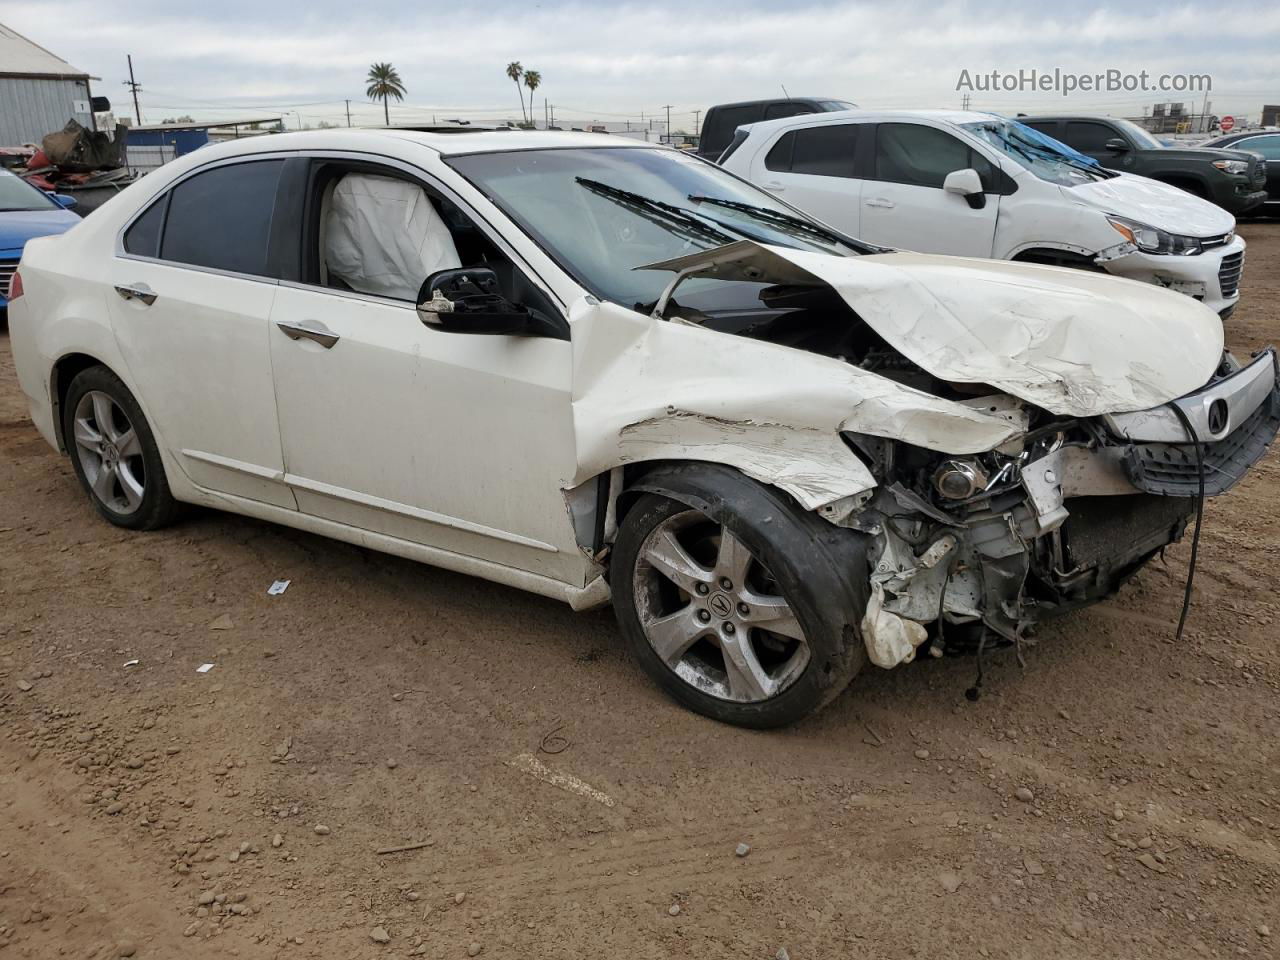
{"points": [[1055, 519]]}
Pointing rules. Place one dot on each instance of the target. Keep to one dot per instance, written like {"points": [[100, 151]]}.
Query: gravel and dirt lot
{"points": [[1117, 797]]}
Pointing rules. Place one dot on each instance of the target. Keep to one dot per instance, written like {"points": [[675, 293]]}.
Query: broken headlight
{"points": [[1153, 240], [959, 479]]}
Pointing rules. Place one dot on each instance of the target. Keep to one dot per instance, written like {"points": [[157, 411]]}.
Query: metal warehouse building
{"points": [[39, 92]]}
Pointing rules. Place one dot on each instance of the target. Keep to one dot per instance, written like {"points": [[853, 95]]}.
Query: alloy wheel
{"points": [[109, 452], [714, 614]]}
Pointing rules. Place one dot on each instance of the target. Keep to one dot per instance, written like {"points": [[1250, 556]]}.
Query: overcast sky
{"points": [[232, 57]]}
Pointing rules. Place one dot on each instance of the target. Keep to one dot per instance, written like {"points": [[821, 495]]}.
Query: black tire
{"points": [[158, 507], [820, 570]]}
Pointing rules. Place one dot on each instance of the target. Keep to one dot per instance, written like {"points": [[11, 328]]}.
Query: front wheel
{"points": [[735, 601]]}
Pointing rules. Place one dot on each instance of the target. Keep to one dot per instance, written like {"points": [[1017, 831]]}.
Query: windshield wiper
{"points": [[1045, 153], [660, 210], [778, 218]]}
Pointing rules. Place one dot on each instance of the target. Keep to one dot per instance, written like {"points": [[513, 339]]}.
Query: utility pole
{"points": [[964, 102], [134, 87], [348, 113], [667, 107], [697, 114]]}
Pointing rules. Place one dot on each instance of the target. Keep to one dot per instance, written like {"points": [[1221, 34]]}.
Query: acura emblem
{"points": [[1217, 417], [721, 605]]}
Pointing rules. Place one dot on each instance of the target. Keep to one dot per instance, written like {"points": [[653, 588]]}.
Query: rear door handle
{"points": [[880, 202], [309, 330], [137, 291]]}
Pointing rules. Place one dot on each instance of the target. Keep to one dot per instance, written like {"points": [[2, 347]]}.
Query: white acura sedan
{"points": [[594, 368]]}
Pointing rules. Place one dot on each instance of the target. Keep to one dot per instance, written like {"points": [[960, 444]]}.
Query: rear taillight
{"points": [[15, 287]]}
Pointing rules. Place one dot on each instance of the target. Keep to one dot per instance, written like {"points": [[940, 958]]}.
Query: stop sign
{"points": [[1227, 123]]}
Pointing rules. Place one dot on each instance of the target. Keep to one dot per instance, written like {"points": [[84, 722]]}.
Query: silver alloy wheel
{"points": [[109, 452], [713, 613]]}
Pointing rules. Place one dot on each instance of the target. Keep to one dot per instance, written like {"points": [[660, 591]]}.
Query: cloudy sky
{"points": [[619, 62]]}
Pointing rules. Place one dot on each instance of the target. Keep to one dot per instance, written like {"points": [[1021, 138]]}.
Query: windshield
{"points": [[1044, 156], [603, 211], [17, 194], [1143, 139]]}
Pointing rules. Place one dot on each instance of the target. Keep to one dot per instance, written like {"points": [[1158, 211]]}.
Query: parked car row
{"points": [[977, 185], [600, 369]]}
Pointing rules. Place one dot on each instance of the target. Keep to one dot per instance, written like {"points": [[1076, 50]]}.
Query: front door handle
{"points": [[309, 330], [773, 186], [880, 202], [137, 291]]}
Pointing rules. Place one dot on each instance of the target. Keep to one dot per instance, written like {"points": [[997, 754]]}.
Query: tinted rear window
{"points": [[719, 127], [143, 238], [222, 218], [825, 151]]}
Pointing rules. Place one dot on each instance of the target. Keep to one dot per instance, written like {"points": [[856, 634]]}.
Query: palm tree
{"points": [[532, 80], [384, 83], [515, 72]]}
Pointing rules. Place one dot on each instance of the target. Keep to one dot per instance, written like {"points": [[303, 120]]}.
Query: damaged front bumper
{"points": [[1063, 524], [1212, 277]]}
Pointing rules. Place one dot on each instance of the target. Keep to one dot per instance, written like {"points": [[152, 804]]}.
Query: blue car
{"points": [[27, 212]]}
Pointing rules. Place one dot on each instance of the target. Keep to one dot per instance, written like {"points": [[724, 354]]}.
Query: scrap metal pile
{"points": [[89, 164]]}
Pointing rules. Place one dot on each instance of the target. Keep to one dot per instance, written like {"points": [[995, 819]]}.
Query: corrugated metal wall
{"points": [[30, 107]]}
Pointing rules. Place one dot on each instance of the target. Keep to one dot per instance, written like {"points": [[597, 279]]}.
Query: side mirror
{"points": [[968, 184], [1117, 145], [63, 200], [469, 300]]}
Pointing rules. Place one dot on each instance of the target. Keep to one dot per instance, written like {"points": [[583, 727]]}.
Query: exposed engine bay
{"points": [[977, 548]]}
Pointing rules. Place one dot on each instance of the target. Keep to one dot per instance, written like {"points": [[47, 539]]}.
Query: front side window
{"points": [[823, 151], [603, 212], [1139, 136], [221, 219], [1089, 137], [923, 156]]}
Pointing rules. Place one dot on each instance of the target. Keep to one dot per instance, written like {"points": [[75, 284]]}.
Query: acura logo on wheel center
{"points": [[720, 605]]}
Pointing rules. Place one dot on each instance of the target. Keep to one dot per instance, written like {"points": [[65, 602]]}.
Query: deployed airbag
{"points": [[384, 237]]}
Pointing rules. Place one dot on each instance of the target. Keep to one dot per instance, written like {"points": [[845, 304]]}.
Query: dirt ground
{"points": [[150, 810]]}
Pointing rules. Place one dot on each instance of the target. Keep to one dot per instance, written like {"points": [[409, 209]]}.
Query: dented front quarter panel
{"points": [[648, 389]]}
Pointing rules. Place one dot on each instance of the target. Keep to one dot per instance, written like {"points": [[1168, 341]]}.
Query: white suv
{"points": [[977, 185]]}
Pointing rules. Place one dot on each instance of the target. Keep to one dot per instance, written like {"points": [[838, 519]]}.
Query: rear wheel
{"points": [[114, 452], [734, 600]]}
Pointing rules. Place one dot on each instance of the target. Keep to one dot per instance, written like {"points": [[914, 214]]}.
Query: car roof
{"points": [[1066, 116], [768, 100], [452, 143], [954, 117]]}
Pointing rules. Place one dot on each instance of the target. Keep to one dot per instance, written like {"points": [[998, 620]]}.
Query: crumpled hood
{"points": [[1073, 342], [1155, 204]]}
